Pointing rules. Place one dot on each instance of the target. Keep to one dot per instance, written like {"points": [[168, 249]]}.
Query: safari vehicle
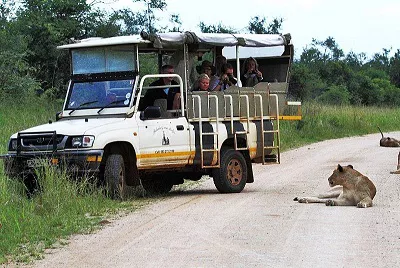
{"points": [[101, 131]]}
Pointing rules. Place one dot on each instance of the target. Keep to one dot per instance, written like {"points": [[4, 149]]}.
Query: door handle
{"points": [[180, 127]]}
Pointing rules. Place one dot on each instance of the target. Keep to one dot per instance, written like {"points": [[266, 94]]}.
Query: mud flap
{"points": [[250, 176]]}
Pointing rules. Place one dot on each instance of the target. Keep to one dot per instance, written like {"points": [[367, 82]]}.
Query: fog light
{"points": [[77, 142]]}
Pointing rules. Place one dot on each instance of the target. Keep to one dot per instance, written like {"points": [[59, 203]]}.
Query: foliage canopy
{"points": [[30, 31]]}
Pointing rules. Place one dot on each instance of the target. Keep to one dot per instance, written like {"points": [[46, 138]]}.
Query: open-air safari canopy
{"points": [[168, 40]]}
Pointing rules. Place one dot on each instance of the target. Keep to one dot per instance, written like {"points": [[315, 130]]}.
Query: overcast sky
{"points": [[357, 25]]}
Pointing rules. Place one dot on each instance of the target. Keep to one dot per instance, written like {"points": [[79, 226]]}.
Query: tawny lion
{"points": [[387, 141], [357, 189], [398, 166]]}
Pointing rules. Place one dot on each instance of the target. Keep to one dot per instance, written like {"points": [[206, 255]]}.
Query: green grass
{"points": [[321, 122], [65, 207]]}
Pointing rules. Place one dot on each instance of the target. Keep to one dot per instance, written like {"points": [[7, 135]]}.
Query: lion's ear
{"points": [[340, 168], [350, 166]]}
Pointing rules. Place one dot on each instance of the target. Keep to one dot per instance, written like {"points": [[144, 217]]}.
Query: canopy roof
{"points": [[173, 39]]}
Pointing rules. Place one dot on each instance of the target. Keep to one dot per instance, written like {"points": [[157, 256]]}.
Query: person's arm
{"points": [[213, 84], [219, 85], [259, 75], [177, 101]]}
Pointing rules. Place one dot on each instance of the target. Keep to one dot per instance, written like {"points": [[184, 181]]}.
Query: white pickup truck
{"points": [[102, 132]]}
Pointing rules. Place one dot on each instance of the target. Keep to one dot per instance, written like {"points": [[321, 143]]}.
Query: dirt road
{"points": [[262, 226]]}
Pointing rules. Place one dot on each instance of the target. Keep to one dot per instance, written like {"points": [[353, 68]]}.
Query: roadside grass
{"points": [[321, 122], [64, 206]]}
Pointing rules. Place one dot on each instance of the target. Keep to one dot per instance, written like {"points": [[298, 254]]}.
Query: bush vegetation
{"points": [[30, 31]]}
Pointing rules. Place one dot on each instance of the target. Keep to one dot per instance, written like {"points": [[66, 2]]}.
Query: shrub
{"points": [[335, 95]]}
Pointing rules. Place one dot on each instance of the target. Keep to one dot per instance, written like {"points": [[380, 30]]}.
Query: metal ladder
{"points": [[215, 119], [276, 133], [243, 132]]}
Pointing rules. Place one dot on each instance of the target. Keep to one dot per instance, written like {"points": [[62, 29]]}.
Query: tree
{"points": [[355, 61], [101, 24], [204, 28], [389, 94], [150, 18], [259, 25], [335, 95], [47, 24], [6, 8], [310, 56], [15, 73], [380, 60], [330, 49], [176, 23], [394, 69], [304, 83]]}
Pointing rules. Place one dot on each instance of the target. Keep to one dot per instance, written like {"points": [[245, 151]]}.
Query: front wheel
{"points": [[231, 177], [115, 176]]}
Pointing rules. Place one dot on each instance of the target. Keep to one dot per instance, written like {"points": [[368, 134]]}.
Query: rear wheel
{"points": [[231, 177], [115, 176]]}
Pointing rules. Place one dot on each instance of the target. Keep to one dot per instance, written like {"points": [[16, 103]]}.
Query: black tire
{"points": [[115, 177], [156, 186], [231, 177]]}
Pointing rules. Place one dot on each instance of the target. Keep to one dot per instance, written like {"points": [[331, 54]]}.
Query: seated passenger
{"points": [[161, 93], [202, 83], [250, 74], [226, 78], [209, 69], [219, 62]]}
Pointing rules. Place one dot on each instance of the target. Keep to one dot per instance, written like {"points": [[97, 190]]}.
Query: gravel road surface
{"points": [[262, 226]]}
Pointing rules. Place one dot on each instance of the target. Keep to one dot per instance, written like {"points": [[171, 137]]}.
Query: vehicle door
{"points": [[164, 141]]}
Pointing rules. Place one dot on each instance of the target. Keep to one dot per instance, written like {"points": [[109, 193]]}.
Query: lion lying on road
{"points": [[357, 189], [387, 141]]}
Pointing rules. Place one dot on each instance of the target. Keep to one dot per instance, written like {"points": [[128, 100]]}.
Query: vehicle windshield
{"points": [[100, 94]]}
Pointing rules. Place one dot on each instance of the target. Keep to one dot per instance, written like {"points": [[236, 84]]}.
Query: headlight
{"points": [[82, 141], [12, 145]]}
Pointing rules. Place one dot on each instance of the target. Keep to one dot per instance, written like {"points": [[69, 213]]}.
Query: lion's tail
{"points": [[380, 131]]}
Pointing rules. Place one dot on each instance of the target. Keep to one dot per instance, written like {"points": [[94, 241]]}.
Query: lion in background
{"points": [[398, 166], [356, 189], [387, 141]]}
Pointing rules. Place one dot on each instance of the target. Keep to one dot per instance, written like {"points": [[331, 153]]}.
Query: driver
{"points": [[167, 93]]}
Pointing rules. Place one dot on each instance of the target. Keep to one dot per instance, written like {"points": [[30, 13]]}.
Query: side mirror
{"points": [[151, 112], [58, 116]]}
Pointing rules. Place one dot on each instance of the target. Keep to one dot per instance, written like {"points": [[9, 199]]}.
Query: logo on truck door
{"points": [[165, 140]]}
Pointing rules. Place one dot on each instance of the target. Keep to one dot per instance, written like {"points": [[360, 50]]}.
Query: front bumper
{"points": [[77, 162]]}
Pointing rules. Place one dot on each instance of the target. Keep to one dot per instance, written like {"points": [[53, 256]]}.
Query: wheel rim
{"points": [[235, 172], [121, 177]]}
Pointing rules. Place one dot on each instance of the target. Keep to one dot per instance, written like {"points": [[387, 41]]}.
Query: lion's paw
{"points": [[301, 200], [362, 205], [330, 202]]}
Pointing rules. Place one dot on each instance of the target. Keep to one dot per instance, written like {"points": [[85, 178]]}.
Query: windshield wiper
{"points": [[108, 105], [83, 104]]}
